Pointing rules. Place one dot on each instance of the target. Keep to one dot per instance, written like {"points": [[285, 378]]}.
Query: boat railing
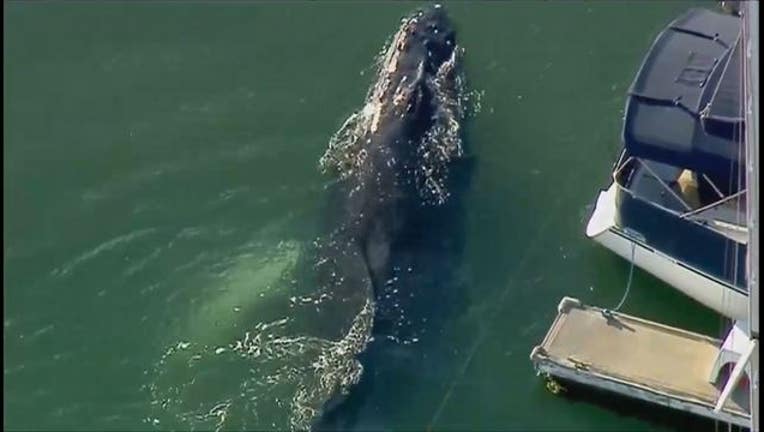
{"points": [[623, 164], [718, 226], [664, 185], [622, 188], [714, 204], [713, 185]]}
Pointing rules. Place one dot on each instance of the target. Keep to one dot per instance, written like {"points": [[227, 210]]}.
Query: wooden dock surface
{"points": [[637, 358]]}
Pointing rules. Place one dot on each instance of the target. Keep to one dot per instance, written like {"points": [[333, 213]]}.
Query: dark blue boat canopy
{"points": [[685, 106]]}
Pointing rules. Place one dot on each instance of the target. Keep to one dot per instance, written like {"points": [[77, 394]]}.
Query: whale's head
{"points": [[417, 102], [429, 38], [424, 42], [409, 128], [418, 65]]}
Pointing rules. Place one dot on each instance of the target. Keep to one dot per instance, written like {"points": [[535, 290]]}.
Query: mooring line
{"points": [[473, 349]]}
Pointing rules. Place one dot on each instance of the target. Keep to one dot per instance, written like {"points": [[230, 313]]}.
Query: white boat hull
{"points": [[704, 288]]}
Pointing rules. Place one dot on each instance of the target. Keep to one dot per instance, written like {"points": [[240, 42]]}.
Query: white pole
{"points": [[751, 103]]}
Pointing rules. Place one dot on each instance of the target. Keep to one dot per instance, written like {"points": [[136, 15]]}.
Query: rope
{"points": [[495, 307], [609, 312], [631, 273]]}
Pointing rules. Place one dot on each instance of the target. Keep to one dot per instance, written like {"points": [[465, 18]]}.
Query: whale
{"points": [[393, 156], [401, 162], [382, 260]]}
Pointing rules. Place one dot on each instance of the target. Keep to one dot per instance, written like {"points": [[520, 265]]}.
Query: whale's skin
{"points": [[396, 165], [396, 160]]}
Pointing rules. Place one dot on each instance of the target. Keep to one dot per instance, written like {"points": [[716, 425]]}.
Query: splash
{"points": [[274, 373], [442, 143], [346, 155], [289, 377], [334, 372]]}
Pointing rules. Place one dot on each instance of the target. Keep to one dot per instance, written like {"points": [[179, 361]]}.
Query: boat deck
{"points": [[636, 358]]}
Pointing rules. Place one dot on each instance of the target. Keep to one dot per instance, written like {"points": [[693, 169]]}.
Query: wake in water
{"points": [[316, 307], [275, 374]]}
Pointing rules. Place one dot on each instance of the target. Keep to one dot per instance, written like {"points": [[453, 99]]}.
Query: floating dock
{"points": [[637, 358]]}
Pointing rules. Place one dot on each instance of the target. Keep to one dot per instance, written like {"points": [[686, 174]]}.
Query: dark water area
{"points": [[161, 175]]}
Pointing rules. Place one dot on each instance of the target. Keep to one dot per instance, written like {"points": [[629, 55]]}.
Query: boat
{"points": [[691, 123], [676, 203]]}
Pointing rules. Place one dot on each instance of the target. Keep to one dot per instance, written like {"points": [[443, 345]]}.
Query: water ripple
{"points": [[106, 246]]}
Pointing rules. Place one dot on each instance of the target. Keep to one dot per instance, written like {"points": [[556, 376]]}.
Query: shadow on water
{"points": [[411, 312], [664, 417]]}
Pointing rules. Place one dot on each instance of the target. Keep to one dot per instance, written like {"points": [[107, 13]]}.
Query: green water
{"points": [[147, 145]]}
